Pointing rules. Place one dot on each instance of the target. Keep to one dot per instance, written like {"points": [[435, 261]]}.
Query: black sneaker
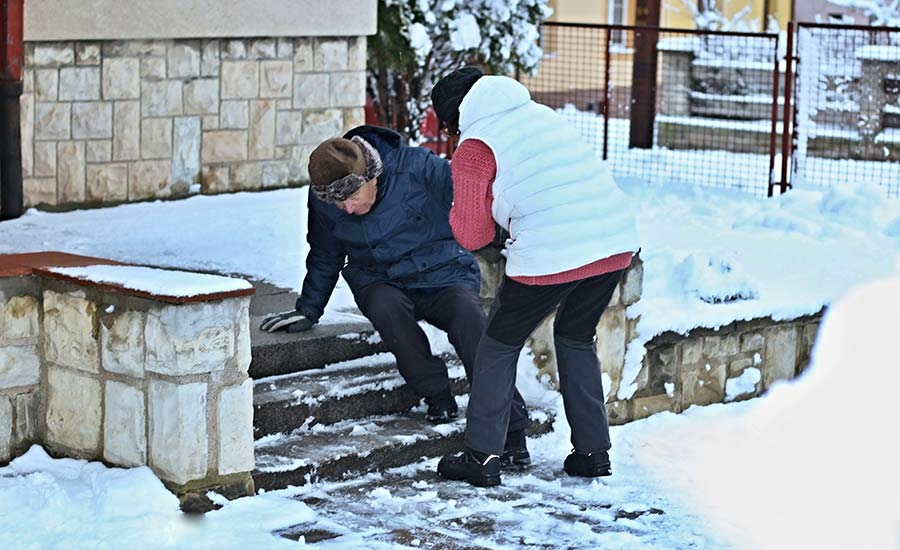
{"points": [[588, 464], [476, 468], [441, 408], [515, 454]]}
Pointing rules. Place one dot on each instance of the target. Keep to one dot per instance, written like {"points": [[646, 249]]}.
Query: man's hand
{"points": [[293, 320]]}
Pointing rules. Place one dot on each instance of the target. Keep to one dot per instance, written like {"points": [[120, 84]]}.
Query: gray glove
{"points": [[292, 320]]}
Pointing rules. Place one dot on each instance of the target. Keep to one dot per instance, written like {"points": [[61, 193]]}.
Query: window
{"points": [[618, 15]]}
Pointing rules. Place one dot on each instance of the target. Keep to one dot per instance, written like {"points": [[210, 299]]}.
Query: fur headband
{"points": [[344, 188]]}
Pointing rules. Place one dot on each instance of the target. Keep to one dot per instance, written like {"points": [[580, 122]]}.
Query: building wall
{"points": [[123, 103]]}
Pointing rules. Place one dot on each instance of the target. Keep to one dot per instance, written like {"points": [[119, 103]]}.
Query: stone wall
{"points": [[100, 375], [114, 121]]}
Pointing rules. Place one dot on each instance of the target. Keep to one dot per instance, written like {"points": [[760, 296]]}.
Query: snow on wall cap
{"points": [[878, 53], [491, 95], [161, 284]]}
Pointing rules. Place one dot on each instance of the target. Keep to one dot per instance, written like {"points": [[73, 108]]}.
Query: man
{"points": [[379, 215]]}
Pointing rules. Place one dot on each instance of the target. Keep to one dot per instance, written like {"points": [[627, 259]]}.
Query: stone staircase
{"points": [[330, 404]]}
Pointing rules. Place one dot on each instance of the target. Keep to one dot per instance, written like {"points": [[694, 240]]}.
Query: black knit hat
{"points": [[448, 93]]}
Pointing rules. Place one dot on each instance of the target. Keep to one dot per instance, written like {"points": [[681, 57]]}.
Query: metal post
{"points": [[606, 97], [643, 80], [11, 58], [774, 137], [786, 135]]}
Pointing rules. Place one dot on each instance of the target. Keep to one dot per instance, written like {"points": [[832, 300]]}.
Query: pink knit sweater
{"points": [[473, 169]]}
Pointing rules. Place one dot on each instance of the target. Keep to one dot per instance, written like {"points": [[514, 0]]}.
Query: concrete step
{"points": [[280, 353], [357, 447], [368, 386]]}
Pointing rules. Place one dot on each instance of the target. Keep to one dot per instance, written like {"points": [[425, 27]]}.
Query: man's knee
{"points": [[385, 304]]}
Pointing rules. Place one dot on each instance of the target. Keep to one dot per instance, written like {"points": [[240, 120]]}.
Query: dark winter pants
{"points": [[456, 310], [517, 311]]}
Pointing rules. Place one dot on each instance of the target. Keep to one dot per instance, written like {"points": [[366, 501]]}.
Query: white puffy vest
{"points": [[557, 199]]}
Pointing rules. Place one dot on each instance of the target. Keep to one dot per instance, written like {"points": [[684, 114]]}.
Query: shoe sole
{"points": [[594, 472], [484, 481], [441, 419], [519, 464]]}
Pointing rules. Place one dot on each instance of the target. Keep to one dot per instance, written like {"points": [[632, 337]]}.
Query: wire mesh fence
{"points": [[846, 106], [668, 106]]}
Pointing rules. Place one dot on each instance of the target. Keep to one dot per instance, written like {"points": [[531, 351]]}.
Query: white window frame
{"points": [[618, 38]]}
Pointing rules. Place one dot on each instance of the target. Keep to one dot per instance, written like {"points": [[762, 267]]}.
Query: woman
{"points": [[572, 234]]}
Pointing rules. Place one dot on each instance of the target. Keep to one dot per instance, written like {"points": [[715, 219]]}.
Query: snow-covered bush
{"points": [[710, 17], [419, 41], [880, 13]]}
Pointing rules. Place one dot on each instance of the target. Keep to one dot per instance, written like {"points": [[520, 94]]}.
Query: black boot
{"points": [[476, 468], [588, 464], [441, 407], [515, 453]]}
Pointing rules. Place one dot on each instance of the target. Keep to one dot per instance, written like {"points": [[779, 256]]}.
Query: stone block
{"points": [[209, 122], [660, 368], [242, 352], [98, 150], [52, 120], [39, 191], [298, 163], [284, 48], [122, 342], [224, 146], [53, 54], [235, 419], [28, 81], [619, 412], [303, 55], [201, 96], [161, 98], [19, 319], [214, 179], [262, 48], [92, 120], [275, 173], [27, 409], [331, 54], [234, 49], [44, 159], [70, 166], [245, 175], [647, 406], [26, 128], [209, 58], [240, 79], [46, 84], [186, 155], [79, 83], [87, 53], [153, 68], [275, 79], [179, 444], [126, 130], [737, 366], [73, 411], [692, 351], [311, 91], [149, 179], [702, 384], [261, 139], [753, 341], [134, 48], [235, 115], [348, 89], [353, 117], [121, 78], [633, 282], [70, 324], [191, 338], [124, 437], [107, 182], [6, 429], [357, 54], [288, 126], [320, 125], [156, 138], [19, 366], [611, 346], [780, 361], [183, 60]]}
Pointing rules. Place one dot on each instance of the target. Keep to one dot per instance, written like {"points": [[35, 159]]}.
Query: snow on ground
{"points": [[155, 281]]}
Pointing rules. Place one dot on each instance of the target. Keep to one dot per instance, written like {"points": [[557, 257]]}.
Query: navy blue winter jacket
{"points": [[404, 240]]}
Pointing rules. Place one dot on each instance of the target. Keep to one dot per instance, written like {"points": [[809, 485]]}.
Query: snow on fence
{"points": [[110, 363]]}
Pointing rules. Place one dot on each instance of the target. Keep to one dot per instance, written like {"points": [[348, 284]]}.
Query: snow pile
{"points": [[163, 282], [814, 463], [714, 279], [50, 503]]}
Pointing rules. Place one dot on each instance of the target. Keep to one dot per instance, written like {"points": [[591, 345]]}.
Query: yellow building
{"points": [[673, 13]]}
